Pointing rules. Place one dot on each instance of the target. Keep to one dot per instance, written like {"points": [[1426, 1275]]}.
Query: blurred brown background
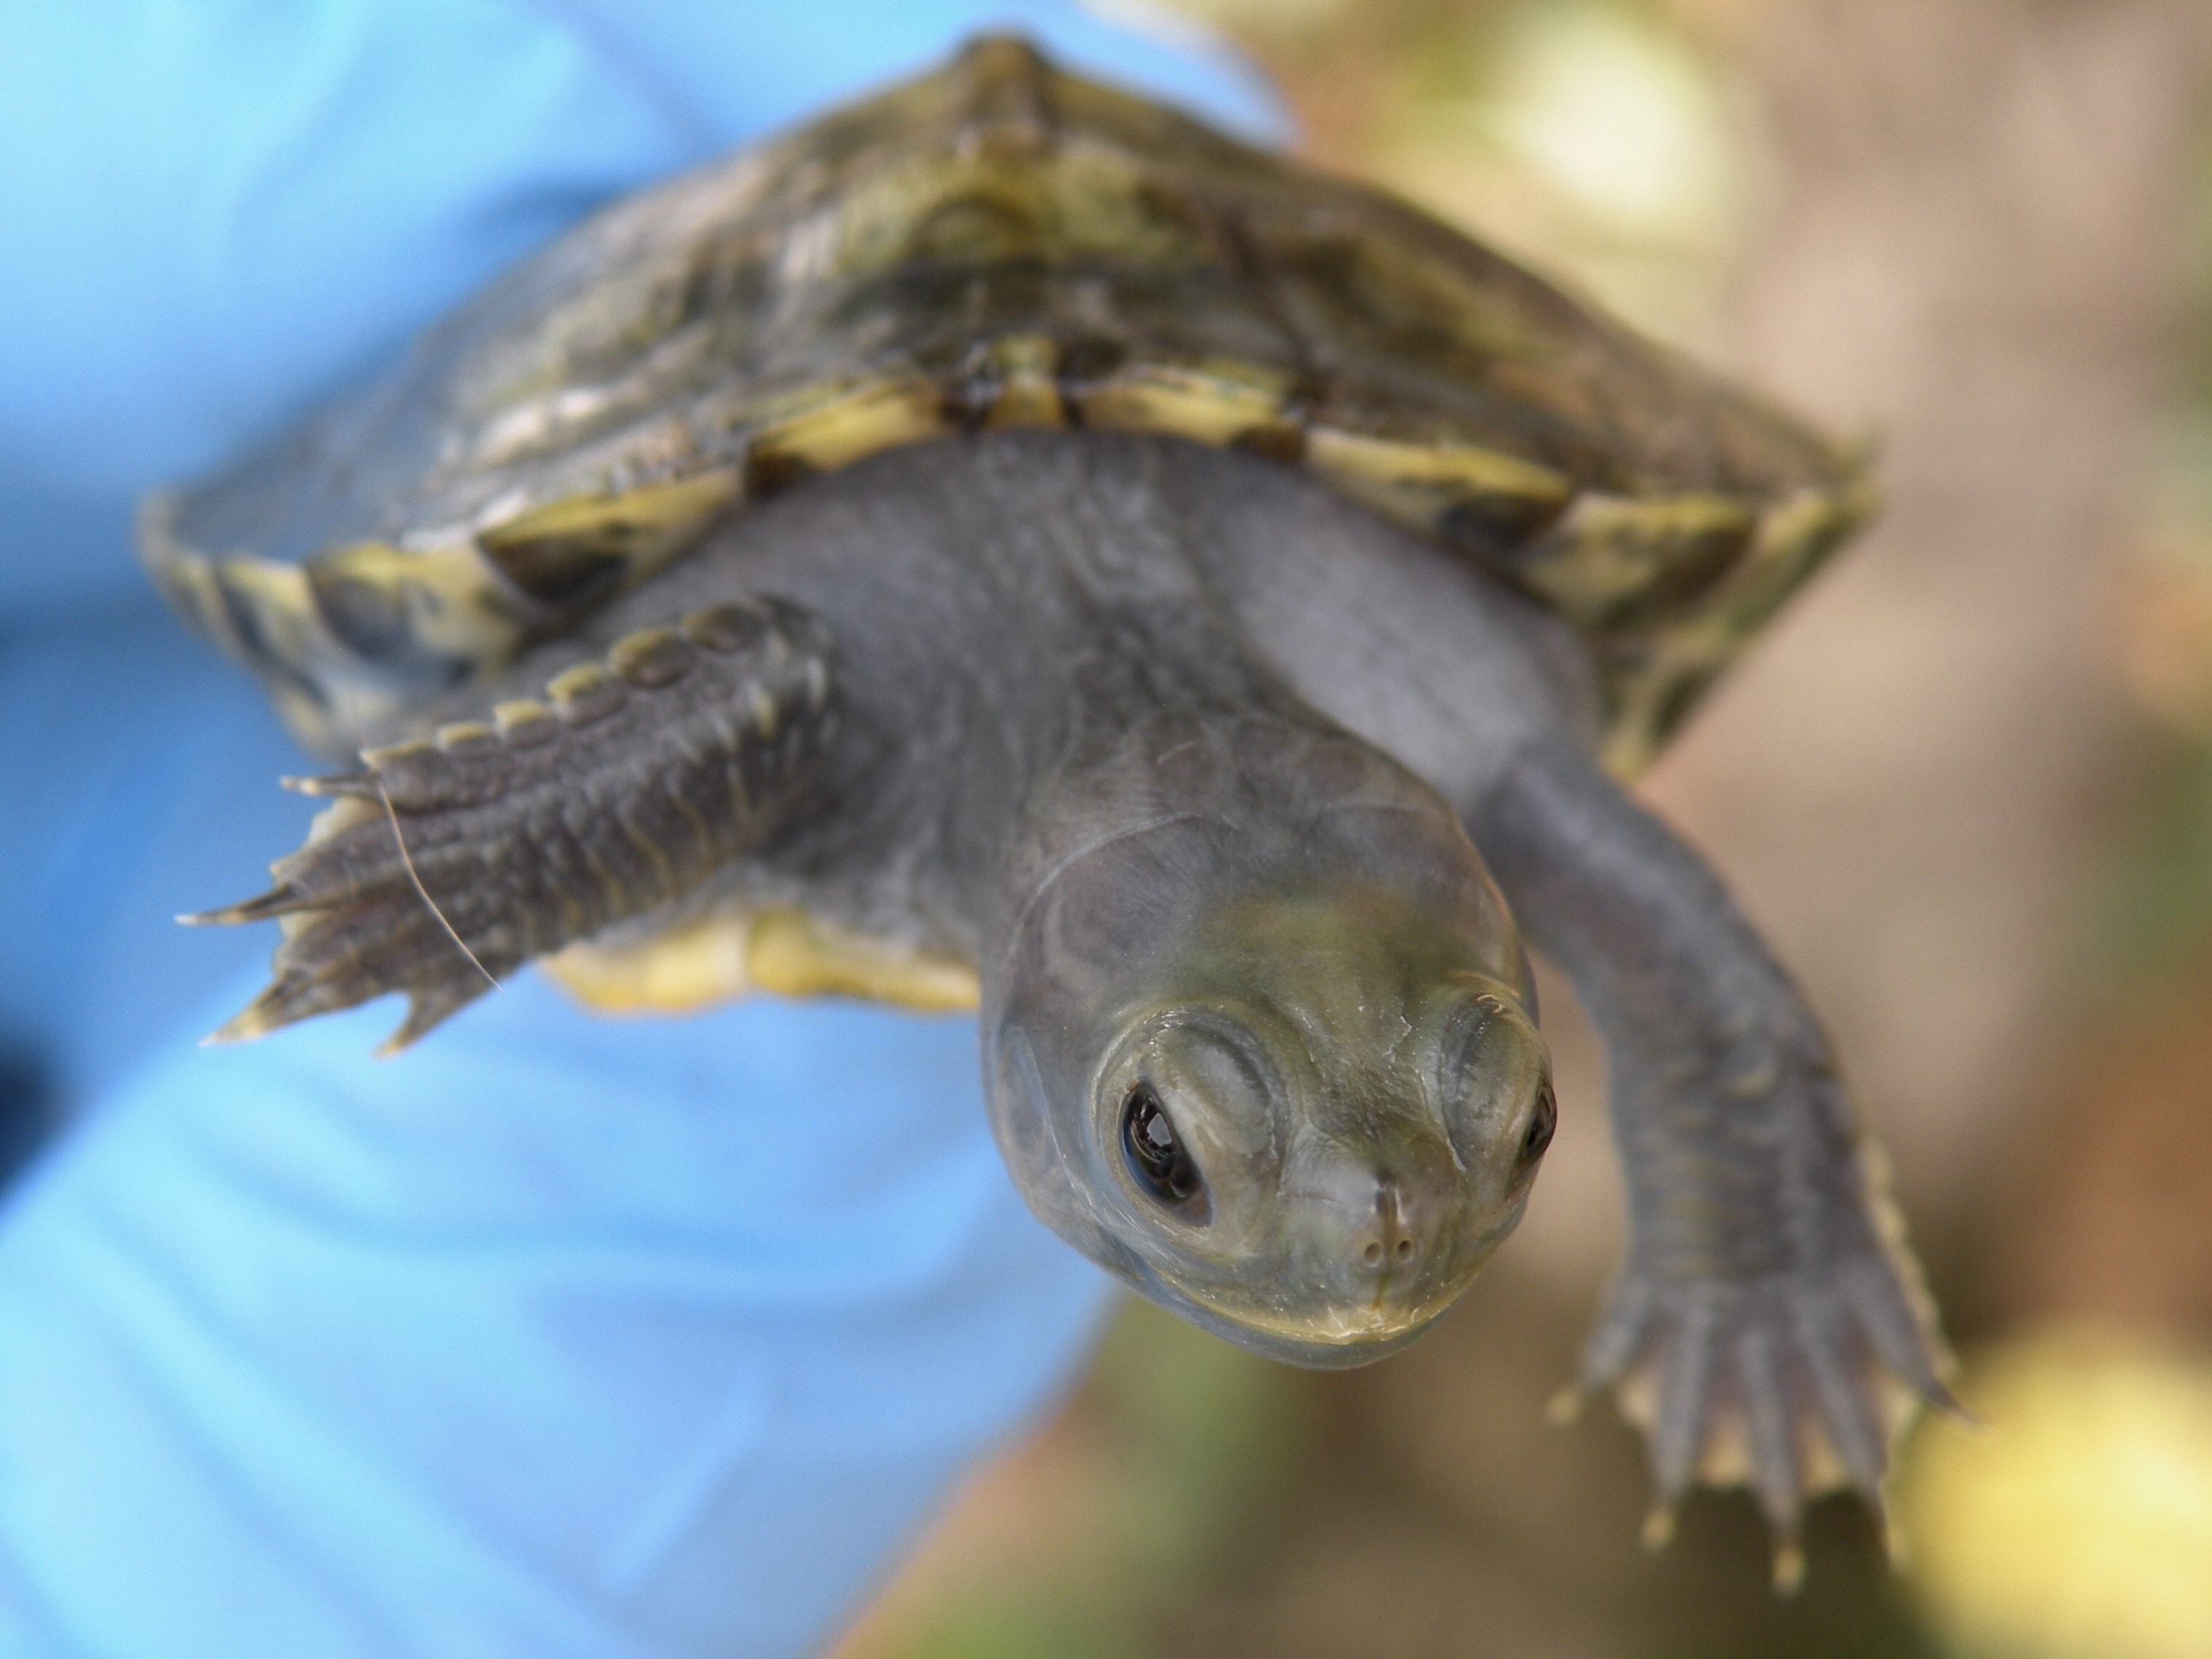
{"points": [[1965, 787]]}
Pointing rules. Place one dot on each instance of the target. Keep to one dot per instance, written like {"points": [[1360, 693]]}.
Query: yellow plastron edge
{"points": [[786, 952]]}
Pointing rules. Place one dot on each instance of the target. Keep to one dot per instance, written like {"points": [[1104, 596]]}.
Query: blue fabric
{"points": [[556, 1335]]}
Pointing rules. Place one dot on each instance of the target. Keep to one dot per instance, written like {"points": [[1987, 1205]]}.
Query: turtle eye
{"points": [[1156, 1156], [1541, 1122]]}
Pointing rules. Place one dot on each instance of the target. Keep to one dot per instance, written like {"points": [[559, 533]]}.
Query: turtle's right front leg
{"points": [[1768, 1299], [444, 863]]}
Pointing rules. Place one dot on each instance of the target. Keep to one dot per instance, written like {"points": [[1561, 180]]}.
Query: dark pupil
{"points": [[1541, 1122], [1153, 1148]]}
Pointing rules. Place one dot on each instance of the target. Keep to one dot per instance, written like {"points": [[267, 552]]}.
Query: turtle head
{"points": [[1276, 1071]]}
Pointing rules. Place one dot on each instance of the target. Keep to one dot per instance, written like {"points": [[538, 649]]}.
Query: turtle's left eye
{"points": [[1156, 1155], [1541, 1122]]}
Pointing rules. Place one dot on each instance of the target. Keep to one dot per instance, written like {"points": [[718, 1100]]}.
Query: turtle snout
{"points": [[1381, 1232], [1361, 1243]]}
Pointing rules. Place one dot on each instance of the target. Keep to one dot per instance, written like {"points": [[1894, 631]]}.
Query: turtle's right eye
{"points": [[1156, 1156], [1541, 1122]]}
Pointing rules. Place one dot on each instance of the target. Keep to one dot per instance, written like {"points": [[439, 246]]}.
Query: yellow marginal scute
{"points": [[1209, 406], [437, 595], [1411, 482], [785, 952], [1027, 393], [645, 527], [284, 622], [1609, 550], [849, 428], [1654, 676]]}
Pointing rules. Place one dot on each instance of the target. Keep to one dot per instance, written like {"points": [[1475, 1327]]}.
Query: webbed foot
{"points": [[1793, 1382]]}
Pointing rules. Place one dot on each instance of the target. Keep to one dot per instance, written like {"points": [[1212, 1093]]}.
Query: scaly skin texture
{"points": [[1183, 752], [448, 862]]}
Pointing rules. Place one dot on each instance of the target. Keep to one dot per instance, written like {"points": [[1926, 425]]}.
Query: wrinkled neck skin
{"points": [[1213, 908]]}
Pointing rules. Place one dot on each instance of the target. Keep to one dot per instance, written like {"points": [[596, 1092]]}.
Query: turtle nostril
{"points": [[1390, 1241], [1393, 1238]]}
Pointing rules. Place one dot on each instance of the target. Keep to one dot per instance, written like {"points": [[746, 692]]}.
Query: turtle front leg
{"points": [[1769, 1306], [445, 863]]}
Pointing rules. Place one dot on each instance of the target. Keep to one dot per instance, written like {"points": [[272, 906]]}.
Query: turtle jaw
{"points": [[1319, 1345]]}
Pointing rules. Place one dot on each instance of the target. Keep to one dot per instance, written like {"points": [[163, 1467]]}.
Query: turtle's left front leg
{"points": [[447, 862], [1769, 1307]]}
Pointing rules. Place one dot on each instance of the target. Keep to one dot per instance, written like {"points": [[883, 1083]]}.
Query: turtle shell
{"points": [[997, 244]]}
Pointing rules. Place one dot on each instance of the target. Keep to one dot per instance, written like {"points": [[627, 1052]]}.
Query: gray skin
{"points": [[1192, 757]]}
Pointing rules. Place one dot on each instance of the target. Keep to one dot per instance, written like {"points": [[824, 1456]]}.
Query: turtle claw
{"points": [[1938, 1397], [1781, 1384], [365, 913], [361, 785], [279, 900], [1893, 1547], [1789, 1564]]}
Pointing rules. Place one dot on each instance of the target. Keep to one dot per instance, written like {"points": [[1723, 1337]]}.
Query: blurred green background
{"points": [[1965, 787]]}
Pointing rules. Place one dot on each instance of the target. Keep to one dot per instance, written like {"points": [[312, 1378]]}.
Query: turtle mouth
{"points": [[1337, 1338]]}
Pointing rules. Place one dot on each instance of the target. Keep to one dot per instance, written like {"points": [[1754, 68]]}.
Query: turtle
{"points": [[1006, 545]]}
